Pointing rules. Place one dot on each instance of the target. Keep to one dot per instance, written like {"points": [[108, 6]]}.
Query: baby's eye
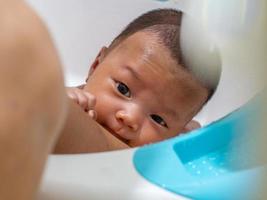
{"points": [[123, 89], [159, 120]]}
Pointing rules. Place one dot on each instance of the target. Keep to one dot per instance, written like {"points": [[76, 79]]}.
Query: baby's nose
{"points": [[130, 118]]}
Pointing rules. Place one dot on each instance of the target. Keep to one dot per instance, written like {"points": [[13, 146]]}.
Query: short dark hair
{"points": [[165, 23], [151, 18]]}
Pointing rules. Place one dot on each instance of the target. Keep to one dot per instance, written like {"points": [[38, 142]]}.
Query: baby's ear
{"points": [[100, 56], [190, 126]]}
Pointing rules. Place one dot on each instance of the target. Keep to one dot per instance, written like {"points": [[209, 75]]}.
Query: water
{"points": [[211, 165]]}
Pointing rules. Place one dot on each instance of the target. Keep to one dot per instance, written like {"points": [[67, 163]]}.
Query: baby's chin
{"points": [[136, 144]]}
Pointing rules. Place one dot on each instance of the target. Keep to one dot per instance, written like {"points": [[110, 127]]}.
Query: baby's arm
{"points": [[84, 99]]}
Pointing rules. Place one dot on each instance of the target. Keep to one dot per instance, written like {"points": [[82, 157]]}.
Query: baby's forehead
{"points": [[181, 88], [150, 49], [140, 39]]}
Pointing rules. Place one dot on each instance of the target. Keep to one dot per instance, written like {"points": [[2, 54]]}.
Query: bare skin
{"points": [[84, 99], [32, 115], [82, 134], [142, 95], [134, 109]]}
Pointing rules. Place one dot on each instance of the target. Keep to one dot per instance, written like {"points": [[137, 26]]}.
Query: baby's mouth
{"points": [[114, 133]]}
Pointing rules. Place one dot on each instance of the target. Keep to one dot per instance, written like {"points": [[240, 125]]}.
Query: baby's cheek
{"points": [[104, 107], [148, 134]]}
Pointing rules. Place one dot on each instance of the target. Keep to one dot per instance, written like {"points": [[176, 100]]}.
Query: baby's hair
{"points": [[165, 23], [151, 18]]}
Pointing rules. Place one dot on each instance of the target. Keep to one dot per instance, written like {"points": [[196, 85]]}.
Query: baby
{"points": [[138, 88], [140, 91]]}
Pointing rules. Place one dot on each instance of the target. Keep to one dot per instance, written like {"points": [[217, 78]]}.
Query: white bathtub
{"points": [[79, 29]]}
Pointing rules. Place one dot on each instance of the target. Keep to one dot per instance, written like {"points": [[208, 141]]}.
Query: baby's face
{"points": [[140, 97]]}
